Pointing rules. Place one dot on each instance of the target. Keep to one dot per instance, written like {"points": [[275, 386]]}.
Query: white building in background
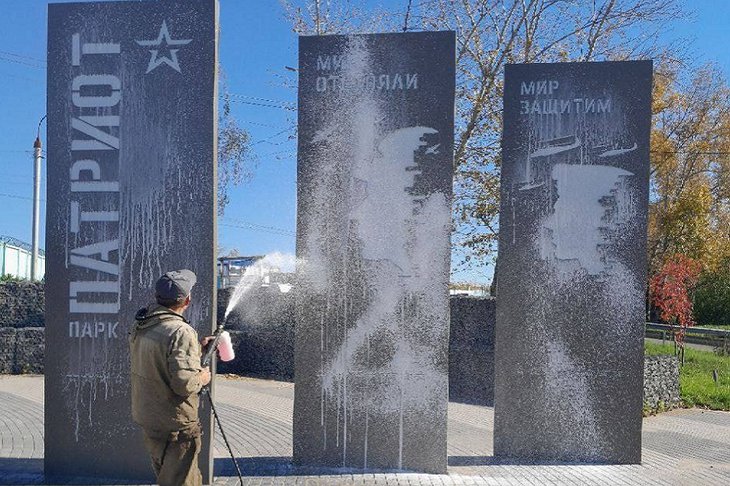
{"points": [[15, 258], [252, 271], [474, 292], [232, 269]]}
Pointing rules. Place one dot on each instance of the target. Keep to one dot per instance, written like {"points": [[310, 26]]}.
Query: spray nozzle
{"points": [[222, 343]]}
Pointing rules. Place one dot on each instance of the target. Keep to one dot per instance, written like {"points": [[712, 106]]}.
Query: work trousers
{"points": [[175, 459]]}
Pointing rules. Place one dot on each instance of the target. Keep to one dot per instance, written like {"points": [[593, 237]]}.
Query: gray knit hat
{"points": [[175, 285]]}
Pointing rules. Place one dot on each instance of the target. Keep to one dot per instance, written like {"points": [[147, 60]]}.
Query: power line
{"points": [[254, 103], [13, 196], [246, 227], [24, 78], [259, 101], [260, 124], [274, 136], [259, 226], [280, 152], [258, 98], [22, 56], [21, 62]]}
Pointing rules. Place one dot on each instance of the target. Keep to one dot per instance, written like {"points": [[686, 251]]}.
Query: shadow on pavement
{"points": [[455, 461], [26, 471], [25, 465], [21, 471], [255, 466], [283, 466]]}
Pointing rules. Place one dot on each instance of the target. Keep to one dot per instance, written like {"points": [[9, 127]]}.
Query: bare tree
{"points": [[491, 33], [236, 160]]}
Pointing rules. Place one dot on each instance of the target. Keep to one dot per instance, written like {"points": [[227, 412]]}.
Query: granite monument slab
{"points": [[572, 262], [376, 122], [131, 194]]}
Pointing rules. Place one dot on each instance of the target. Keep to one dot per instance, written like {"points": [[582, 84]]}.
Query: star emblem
{"points": [[155, 58]]}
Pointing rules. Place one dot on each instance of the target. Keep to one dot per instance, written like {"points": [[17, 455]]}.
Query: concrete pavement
{"points": [[681, 447]]}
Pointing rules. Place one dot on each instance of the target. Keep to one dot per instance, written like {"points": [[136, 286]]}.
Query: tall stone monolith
{"points": [[376, 121], [572, 262], [131, 195]]}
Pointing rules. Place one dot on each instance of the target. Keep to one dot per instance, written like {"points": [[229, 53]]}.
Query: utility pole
{"points": [[37, 156]]}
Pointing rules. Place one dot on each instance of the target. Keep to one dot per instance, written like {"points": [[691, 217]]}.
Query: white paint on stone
{"points": [[145, 214], [574, 234], [569, 395], [615, 152], [587, 209], [399, 238]]}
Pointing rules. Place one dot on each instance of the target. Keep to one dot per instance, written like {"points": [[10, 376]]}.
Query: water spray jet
{"points": [[253, 276]]}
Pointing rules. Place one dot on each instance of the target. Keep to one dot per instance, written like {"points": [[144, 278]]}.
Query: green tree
{"points": [[689, 209], [712, 296]]}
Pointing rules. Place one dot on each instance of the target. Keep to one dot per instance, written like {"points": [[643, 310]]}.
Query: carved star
{"points": [[155, 58]]}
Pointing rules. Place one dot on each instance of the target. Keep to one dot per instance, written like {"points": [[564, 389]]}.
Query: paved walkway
{"points": [[682, 447]]}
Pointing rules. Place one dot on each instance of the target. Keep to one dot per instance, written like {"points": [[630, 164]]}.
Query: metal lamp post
{"points": [[37, 156]]}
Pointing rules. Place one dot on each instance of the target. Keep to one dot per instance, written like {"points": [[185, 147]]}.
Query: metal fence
{"points": [[717, 338]]}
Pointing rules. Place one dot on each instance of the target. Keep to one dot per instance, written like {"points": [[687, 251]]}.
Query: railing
{"points": [[695, 335]]}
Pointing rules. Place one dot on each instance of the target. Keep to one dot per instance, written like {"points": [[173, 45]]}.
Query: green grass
{"points": [[697, 387], [725, 327]]}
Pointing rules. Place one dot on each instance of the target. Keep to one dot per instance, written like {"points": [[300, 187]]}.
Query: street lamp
{"points": [[37, 156]]}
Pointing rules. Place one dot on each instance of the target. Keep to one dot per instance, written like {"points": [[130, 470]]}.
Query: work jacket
{"points": [[165, 359]]}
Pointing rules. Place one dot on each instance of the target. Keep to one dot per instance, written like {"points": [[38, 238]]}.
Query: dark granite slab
{"points": [[131, 195], [376, 123], [572, 269]]}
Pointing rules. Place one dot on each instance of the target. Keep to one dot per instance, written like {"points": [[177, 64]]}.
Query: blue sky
{"points": [[256, 45]]}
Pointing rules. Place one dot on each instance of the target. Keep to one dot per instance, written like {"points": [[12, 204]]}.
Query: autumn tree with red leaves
{"points": [[671, 290]]}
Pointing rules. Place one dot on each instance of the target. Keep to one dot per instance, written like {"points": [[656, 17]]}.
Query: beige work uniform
{"points": [[165, 361]]}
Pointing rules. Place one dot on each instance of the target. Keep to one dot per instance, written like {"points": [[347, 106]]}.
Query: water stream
{"points": [[253, 276]]}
